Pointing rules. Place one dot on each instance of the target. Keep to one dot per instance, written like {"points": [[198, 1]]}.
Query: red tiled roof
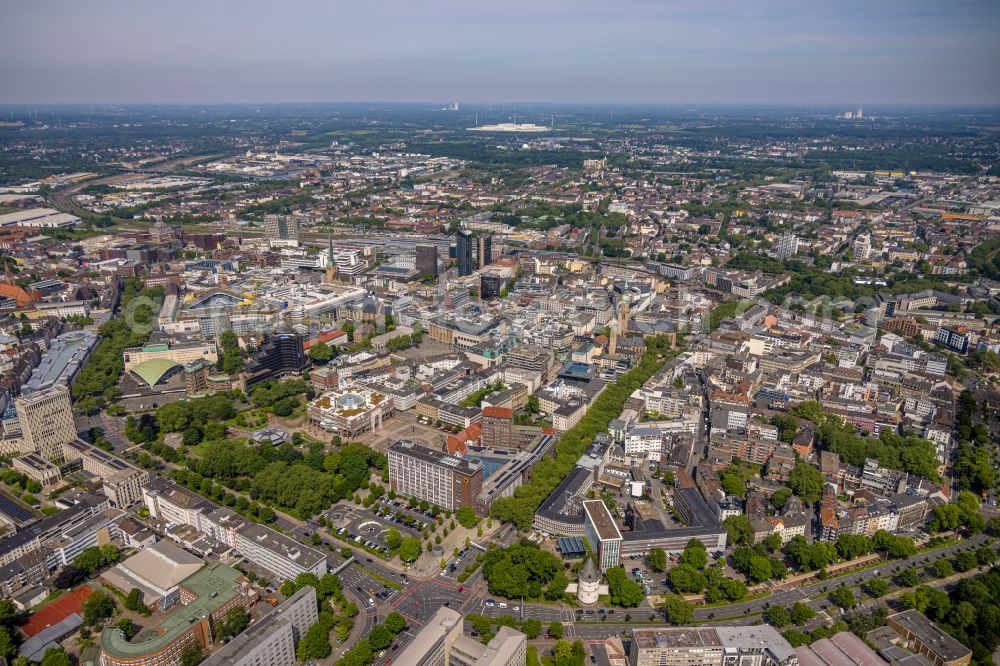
{"points": [[498, 412]]}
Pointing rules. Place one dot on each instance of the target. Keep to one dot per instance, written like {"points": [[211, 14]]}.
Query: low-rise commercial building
{"points": [[78, 511], [924, 637], [441, 642], [350, 412], [759, 645], [35, 467]]}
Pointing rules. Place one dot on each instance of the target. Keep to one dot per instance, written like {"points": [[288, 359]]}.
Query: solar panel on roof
{"points": [[14, 510]]}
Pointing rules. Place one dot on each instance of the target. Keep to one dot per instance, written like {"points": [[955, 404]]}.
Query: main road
{"points": [[745, 611]]}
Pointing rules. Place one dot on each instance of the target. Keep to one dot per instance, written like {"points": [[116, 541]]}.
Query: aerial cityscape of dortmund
{"points": [[535, 334]]}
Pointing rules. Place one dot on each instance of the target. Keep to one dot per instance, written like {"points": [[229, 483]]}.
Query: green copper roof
{"points": [[214, 586], [152, 371]]}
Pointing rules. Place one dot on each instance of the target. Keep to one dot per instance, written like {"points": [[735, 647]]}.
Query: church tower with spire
{"points": [[623, 310], [331, 267]]}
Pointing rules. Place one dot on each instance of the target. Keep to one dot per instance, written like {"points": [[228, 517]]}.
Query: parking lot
{"points": [[365, 527], [652, 581], [640, 571], [399, 510]]}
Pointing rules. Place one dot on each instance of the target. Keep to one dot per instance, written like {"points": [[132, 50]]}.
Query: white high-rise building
{"points": [[46, 422], [603, 534], [862, 248], [786, 247]]}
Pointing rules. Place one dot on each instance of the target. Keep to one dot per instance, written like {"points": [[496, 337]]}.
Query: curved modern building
{"points": [[199, 600]]}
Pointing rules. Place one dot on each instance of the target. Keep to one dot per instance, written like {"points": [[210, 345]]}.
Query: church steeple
{"points": [[331, 267]]}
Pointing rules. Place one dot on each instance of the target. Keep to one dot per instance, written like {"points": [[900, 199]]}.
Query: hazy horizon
{"points": [[774, 53]]}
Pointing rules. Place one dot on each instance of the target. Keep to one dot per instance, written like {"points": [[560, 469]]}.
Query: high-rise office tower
{"points": [[862, 247], [485, 249], [463, 252], [427, 260], [435, 476], [786, 247], [46, 420], [281, 229]]}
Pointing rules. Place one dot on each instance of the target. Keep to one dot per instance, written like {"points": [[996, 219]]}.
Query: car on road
{"points": [[490, 602]]}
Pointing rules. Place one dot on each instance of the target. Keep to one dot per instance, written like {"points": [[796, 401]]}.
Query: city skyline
{"points": [[771, 53]]}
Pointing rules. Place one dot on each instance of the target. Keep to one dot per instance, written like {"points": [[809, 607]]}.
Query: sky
{"points": [[848, 52]]}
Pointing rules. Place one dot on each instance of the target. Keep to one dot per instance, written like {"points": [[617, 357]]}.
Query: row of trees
{"points": [[94, 387], [520, 509], [798, 614], [190, 479], [758, 563], [972, 468], [380, 638], [531, 627], [231, 356]]}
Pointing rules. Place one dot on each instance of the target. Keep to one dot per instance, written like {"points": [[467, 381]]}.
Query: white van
{"points": [[502, 605]]}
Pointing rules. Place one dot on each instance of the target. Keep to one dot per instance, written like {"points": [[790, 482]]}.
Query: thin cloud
{"points": [[777, 51]]}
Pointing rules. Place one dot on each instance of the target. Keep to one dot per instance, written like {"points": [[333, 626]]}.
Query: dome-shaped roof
{"points": [[153, 370], [589, 573]]}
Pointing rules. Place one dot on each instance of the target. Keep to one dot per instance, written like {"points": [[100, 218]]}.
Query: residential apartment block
{"points": [[271, 641], [261, 545]]}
